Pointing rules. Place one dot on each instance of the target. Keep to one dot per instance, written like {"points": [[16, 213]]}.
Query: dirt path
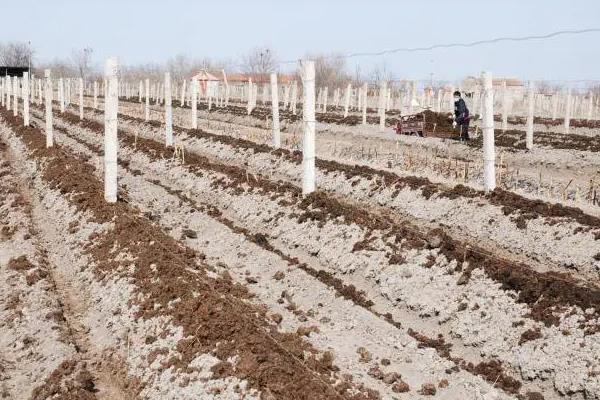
{"points": [[91, 374]]}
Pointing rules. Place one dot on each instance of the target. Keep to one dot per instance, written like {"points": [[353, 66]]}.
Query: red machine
{"points": [[411, 125]]}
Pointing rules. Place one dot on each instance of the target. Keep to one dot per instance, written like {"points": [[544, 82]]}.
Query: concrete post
{"points": [[95, 95], [590, 110], [294, 96], [286, 97], [67, 92], [275, 111], [61, 95], [347, 100], [182, 101], [529, 132], [226, 88], [336, 97], [489, 152], [308, 119], [567, 121], [250, 92], [325, 95], [147, 101], [388, 98], [15, 96], [49, 133], [364, 103], [554, 105], [8, 92], [382, 97], [194, 103], [111, 107], [168, 112], [80, 98], [26, 98], [140, 91]]}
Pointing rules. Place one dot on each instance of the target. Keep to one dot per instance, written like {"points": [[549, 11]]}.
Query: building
{"points": [[13, 71]]}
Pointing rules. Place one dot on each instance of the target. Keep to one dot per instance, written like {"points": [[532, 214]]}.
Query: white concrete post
{"points": [[2, 90], [504, 108], [382, 96], [69, 88], [250, 95], [347, 100], [294, 96], [590, 106], [147, 101], [15, 96], [49, 133], [182, 101], [286, 97], [567, 121], [554, 105], [226, 88], [194, 103], [95, 95], [8, 83], [168, 112], [336, 97], [111, 145], [80, 98], [489, 152], [61, 95], [388, 98], [529, 132], [140, 91], [364, 103], [26, 98], [308, 119], [275, 111], [325, 95]]}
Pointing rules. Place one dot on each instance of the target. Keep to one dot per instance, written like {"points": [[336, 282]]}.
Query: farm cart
{"points": [[418, 125], [411, 125]]}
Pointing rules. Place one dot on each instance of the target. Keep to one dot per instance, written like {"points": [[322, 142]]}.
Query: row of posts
{"points": [[111, 102], [10, 88]]}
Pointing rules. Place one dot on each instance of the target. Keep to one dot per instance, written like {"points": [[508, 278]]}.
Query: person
{"points": [[461, 116]]}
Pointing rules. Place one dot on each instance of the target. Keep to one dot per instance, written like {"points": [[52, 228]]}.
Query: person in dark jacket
{"points": [[461, 116]]}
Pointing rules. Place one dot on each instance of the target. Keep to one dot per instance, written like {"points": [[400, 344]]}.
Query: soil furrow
{"points": [[158, 153], [245, 327]]}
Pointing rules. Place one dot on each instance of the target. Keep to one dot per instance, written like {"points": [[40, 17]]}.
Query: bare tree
{"points": [[16, 54], [179, 67], [81, 60], [381, 73], [60, 68], [259, 61], [330, 70]]}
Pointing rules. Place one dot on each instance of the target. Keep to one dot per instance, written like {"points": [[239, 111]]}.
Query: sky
{"points": [[152, 31]]}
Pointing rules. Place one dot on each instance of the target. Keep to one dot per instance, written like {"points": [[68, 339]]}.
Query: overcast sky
{"points": [[152, 31]]}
